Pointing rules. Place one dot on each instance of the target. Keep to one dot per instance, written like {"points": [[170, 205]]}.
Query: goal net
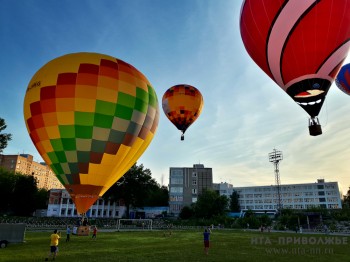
{"points": [[134, 224]]}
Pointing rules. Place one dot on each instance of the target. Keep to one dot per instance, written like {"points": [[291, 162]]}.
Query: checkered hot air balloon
{"points": [[90, 116], [299, 44], [182, 104]]}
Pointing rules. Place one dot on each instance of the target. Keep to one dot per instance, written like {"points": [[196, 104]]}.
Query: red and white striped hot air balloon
{"points": [[299, 44]]}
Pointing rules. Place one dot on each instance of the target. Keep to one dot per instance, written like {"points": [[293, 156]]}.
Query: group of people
{"points": [[55, 237]]}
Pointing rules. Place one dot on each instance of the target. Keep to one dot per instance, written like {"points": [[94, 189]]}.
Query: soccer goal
{"points": [[134, 224]]}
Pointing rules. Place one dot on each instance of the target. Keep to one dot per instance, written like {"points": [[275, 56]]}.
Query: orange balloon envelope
{"points": [[90, 116], [182, 104]]}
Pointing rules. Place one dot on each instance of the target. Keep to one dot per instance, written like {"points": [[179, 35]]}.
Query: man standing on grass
{"points": [[94, 233], [206, 236], [53, 245], [68, 234]]}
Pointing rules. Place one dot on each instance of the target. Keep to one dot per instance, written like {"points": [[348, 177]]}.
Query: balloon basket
{"points": [[315, 130], [182, 137], [314, 127], [83, 231]]}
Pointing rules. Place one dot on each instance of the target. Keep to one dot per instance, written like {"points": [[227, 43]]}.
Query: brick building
{"points": [[24, 164]]}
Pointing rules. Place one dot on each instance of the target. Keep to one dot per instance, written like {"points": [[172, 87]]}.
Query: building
{"points": [[61, 205], [24, 164], [224, 189], [185, 184], [294, 196]]}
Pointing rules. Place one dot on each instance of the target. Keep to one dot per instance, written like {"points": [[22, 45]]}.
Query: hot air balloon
{"points": [[90, 116], [182, 104], [343, 79], [300, 45]]}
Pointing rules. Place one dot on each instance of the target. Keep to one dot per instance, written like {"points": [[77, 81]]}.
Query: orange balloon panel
{"points": [[182, 104], [90, 116]]}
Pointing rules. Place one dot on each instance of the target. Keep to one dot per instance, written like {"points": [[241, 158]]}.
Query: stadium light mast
{"points": [[275, 157]]}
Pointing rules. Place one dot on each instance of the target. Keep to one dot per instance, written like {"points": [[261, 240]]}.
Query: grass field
{"points": [[226, 245]]}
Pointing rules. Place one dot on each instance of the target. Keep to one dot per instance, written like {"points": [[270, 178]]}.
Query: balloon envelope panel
{"points": [[182, 104], [90, 116]]}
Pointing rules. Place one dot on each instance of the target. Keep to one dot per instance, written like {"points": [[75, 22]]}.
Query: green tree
{"points": [[19, 194], [137, 188], [24, 195], [4, 138], [234, 202], [186, 212], [346, 199], [7, 187], [157, 196], [41, 199], [210, 204]]}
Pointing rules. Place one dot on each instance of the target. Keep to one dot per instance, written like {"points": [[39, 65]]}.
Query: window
{"points": [[194, 199], [194, 191], [194, 174], [194, 182], [176, 190], [176, 179]]}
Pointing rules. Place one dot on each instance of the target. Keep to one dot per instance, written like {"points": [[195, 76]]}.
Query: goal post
{"points": [[134, 224]]}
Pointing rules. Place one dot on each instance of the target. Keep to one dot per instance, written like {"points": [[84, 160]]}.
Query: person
{"points": [[206, 236], [326, 229], [53, 245], [94, 233], [68, 234]]}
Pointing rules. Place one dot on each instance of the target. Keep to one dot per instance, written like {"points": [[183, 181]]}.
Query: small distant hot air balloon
{"points": [[299, 44], [182, 104], [343, 79], [90, 116]]}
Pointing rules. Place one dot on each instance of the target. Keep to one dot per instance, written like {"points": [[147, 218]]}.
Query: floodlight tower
{"points": [[275, 157]]}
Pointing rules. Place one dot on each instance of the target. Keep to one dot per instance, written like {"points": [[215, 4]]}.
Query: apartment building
{"points": [[186, 183], [24, 164]]}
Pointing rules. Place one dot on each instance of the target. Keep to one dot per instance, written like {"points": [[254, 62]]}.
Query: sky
{"points": [[196, 42]]}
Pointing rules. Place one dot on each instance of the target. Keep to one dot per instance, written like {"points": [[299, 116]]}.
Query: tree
{"points": [[234, 202], [346, 199], [41, 199], [24, 195], [7, 187], [186, 212], [137, 188], [4, 138], [19, 194], [210, 204]]}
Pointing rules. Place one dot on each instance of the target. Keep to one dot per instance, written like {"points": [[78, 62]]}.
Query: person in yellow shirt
{"points": [[53, 245]]}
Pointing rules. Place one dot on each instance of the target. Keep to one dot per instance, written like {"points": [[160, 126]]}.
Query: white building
{"points": [[61, 205], [224, 189], [294, 196]]}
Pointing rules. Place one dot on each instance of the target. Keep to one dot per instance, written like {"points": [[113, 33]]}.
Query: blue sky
{"points": [[196, 42]]}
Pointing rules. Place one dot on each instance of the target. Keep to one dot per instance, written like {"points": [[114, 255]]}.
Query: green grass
{"points": [[226, 245]]}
